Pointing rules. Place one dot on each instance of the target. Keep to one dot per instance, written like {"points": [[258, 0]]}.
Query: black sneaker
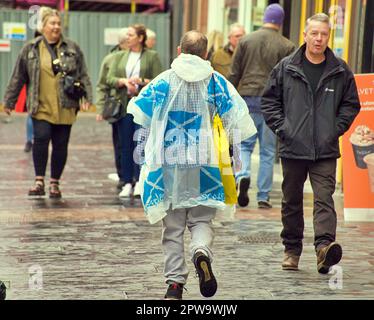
{"points": [[208, 283], [174, 291], [28, 146], [243, 186], [264, 204]]}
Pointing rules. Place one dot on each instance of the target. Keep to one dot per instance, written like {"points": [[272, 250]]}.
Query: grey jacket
{"points": [[255, 57], [27, 71]]}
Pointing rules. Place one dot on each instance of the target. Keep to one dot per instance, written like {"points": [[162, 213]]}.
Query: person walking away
{"points": [[181, 183], [255, 57]]}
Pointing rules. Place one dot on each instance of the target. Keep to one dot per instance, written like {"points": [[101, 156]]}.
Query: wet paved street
{"points": [[90, 245]]}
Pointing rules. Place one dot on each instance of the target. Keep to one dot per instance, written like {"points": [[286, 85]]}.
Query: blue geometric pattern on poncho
{"points": [[211, 184], [219, 95], [153, 96], [182, 129], [154, 189]]}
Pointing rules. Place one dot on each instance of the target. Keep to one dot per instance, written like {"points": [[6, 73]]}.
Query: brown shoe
{"points": [[328, 256], [290, 262]]}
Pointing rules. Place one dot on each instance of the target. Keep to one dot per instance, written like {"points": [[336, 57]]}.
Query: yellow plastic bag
{"points": [[222, 148]]}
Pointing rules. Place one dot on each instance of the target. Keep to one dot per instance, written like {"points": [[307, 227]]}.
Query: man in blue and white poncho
{"points": [[180, 178]]}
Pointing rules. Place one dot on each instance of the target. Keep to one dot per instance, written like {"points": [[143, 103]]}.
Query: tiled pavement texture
{"points": [[91, 245]]}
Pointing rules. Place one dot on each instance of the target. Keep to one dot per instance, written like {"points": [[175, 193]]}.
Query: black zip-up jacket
{"points": [[309, 128]]}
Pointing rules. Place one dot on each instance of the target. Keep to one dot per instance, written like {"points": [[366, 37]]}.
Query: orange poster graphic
{"points": [[358, 156]]}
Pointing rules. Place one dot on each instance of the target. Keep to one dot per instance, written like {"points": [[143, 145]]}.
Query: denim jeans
{"points": [[126, 130], [29, 129], [267, 142]]}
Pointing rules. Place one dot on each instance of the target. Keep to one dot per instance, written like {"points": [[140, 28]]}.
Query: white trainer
{"points": [[113, 176], [126, 191], [137, 190]]}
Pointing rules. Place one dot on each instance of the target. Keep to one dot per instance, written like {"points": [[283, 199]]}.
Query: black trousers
{"points": [[322, 177], [44, 132]]}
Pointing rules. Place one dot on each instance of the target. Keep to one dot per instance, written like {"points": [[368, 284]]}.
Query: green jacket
{"points": [[255, 57], [27, 71], [150, 68], [102, 88]]}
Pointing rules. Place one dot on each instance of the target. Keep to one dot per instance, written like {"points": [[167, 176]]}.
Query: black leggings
{"points": [[44, 132]]}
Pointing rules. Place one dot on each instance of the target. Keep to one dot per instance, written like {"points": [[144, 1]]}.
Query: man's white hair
{"points": [[151, 34], [321, 17], [235, 26]]}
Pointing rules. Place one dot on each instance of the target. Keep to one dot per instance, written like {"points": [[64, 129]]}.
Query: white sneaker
{"points": [[137, 190], [113, 176], [126, 191]]}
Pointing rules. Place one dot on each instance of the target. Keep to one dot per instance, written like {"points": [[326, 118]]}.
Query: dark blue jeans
{"points": [[117, 149], [29, 129], [267, 142], [126, 129]]}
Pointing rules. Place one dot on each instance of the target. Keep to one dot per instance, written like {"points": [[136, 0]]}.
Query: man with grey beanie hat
{"points": [[255, 57]]}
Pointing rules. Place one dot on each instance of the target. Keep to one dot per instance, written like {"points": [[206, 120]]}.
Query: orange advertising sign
{"points": [[358, 156]]}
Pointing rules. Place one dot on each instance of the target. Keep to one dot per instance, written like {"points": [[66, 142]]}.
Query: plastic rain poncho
{"points": [[180, 168]]}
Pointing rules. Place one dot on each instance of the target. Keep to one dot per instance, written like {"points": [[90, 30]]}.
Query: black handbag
{"points": [[112, 110], [73, 88]]}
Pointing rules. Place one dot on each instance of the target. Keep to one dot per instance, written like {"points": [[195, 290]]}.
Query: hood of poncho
{"points": [[191, 68]]}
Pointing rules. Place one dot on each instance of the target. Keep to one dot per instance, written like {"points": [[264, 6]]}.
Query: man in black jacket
{"points": [[310, 100]]}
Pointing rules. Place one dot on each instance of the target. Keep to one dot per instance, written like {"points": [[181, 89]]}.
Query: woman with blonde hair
{"points": [[215, 42], [54, 71]]}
